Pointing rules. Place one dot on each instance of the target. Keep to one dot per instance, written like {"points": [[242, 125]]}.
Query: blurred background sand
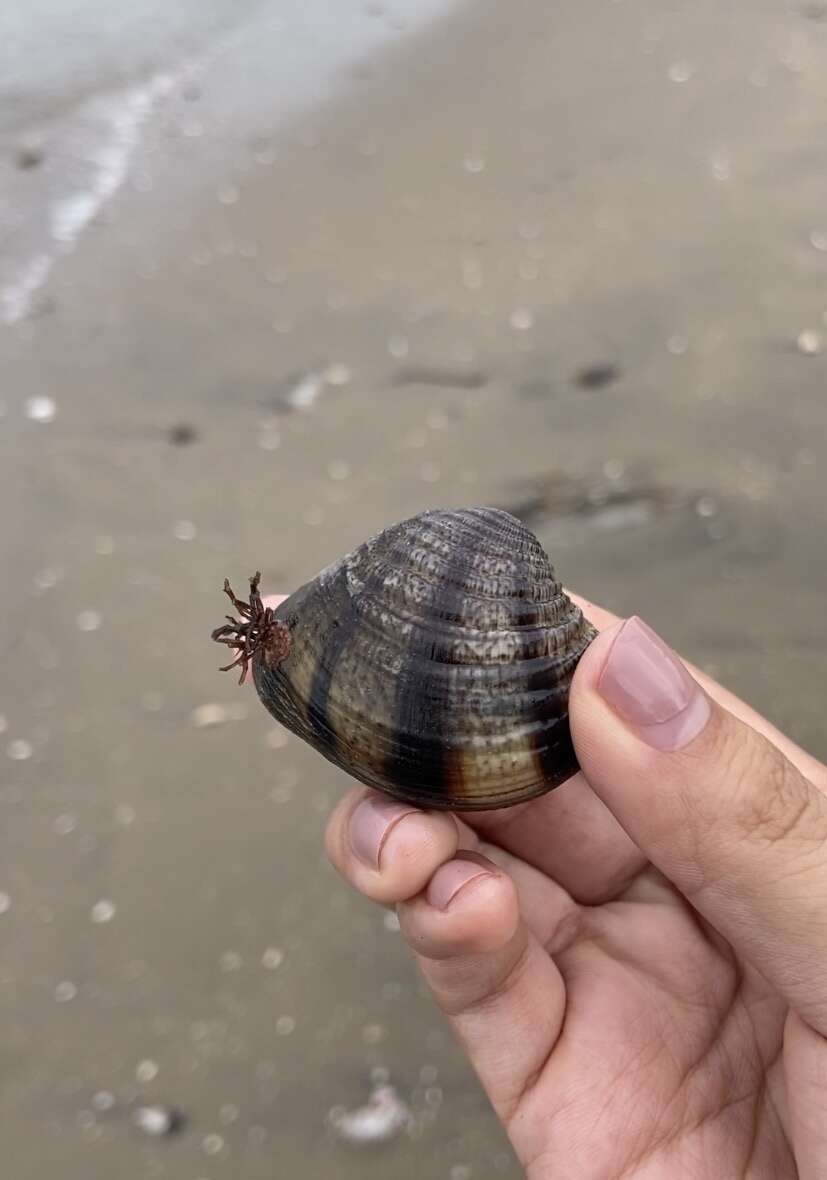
{"points": [[272, 277]]}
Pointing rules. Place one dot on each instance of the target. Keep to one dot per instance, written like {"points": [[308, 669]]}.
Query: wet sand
{"points": [[560, 264]]}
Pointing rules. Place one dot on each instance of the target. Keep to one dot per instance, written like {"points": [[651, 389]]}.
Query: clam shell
{"points": [[434, 663]]}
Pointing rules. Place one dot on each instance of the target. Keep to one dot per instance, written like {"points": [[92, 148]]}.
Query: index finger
{"points": [[809, 766]]}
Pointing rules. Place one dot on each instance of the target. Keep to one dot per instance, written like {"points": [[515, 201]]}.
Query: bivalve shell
{"points": [[433, 662]]}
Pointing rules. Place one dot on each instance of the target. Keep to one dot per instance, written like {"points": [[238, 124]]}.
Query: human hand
{"points": [[635, 963]]}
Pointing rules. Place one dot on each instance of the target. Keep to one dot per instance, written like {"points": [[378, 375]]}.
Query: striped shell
{"points": [[434, 663]]}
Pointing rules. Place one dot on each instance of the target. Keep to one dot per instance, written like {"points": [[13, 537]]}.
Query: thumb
{"points": [[713, 804]]}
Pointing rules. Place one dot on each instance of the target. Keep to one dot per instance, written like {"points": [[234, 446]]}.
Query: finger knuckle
{"points": [[772, 803]]}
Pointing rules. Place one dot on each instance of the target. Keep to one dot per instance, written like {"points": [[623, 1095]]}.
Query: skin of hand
{"points": [[635, 963]]}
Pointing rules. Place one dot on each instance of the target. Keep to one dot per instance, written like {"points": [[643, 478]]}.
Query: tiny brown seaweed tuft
{"points": [[256, 631]]}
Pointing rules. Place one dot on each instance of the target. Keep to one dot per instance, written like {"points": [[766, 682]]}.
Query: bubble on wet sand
{"points": [[461, 1172], [102, 911], [86, 1119], [191, 128], [147, 1070], [416, 438], [228, 194], [614, 469], [374, 1034], [265, 155], [272, 958], [337, 374], [706, 506], [48, 577], [257, 1135], [88, 620], [184, 530], [269, 438], [65, 991], [286, 780], [125, 815], [19, 750], [5, 903], [213, 713], [212, 1144], [720, 164], [521, 319], [810, 342], [680, 71], [276, 739], [152, 701], [40, 409], [305, 392], [338, 469], [436, 420]]}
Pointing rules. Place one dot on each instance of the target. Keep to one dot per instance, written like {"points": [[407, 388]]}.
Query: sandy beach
{"points": [[572, 262]]}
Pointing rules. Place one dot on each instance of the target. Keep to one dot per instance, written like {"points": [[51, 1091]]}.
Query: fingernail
{"points": [[646, 683], [371, 824], [448, 880]]}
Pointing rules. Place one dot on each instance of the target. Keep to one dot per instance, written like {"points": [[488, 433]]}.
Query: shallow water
{"points": [[576, 265], [81, 86]]}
